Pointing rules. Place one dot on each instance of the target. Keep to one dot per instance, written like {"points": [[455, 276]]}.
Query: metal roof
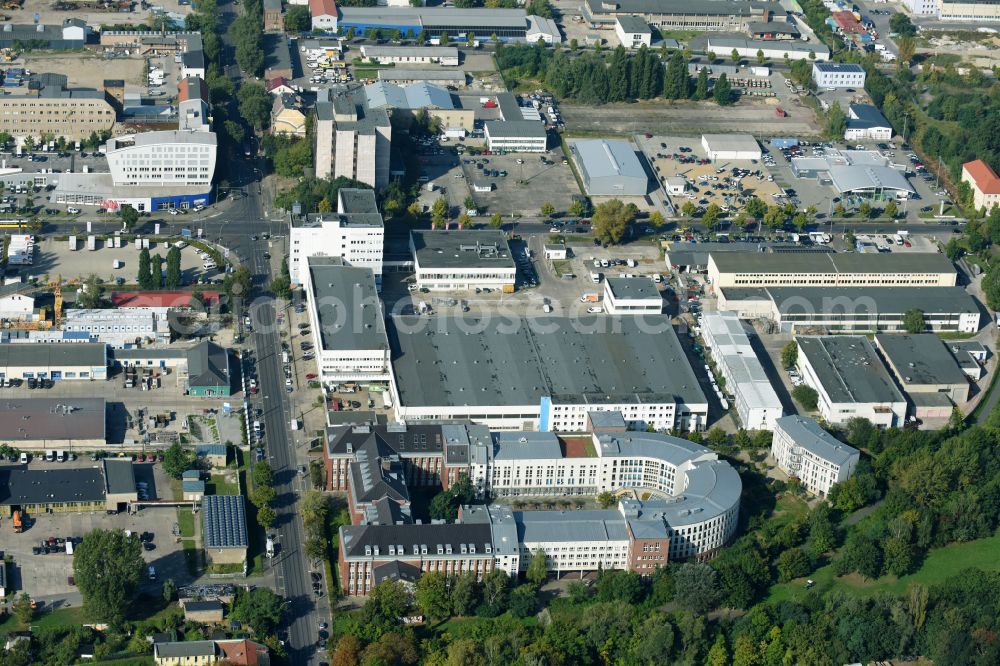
{"points": [[499, 361], [721, 44], [223, 521], [418, 95], [432, 18], [509, 129], [119, 476], [920, 359], [854, 177], [61, 485], [843, 67], [601, 158], [402, 74], [356, 537], [734, 142], [162, 137], [724, 334], [864, 300], [634, 289], [682, 7], [848, 369], [183, 649], [464, 248], [570, 526], [852, 262], [43, 355], [808, 434], [669, 449], [373, 51], [33, 419], [347, 305], [633, 24], [208, 365]]}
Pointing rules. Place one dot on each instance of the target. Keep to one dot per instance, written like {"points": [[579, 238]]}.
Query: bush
{"points": [[806, 396]]}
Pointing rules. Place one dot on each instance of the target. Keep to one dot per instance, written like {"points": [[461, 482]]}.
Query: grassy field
{"points": [[939, 565], [220, 485], [185, 520], [61, 618]]}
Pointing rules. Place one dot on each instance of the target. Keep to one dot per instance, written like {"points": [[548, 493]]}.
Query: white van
{"points": [[50, 456], [61, 456], [595, 278]]}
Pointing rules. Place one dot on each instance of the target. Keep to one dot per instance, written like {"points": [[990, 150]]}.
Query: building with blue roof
{"points": [[215, 455], [224, 529]]}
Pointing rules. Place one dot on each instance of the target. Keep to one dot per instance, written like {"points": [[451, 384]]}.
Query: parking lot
{"points": [[529, 182], [54, 257], [42, 574]]}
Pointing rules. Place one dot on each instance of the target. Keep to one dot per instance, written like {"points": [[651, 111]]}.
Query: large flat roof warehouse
{"points": [[921, 359], [856, 178], [32, 419], [461, 249], [683, 7], [403, 74], [515, 128], [53, 355], [434, 18], [849, 369], [731, 146], [441, 361], [859, 300], [609, 167], [22, 486], [347, 305], [845, 262]]}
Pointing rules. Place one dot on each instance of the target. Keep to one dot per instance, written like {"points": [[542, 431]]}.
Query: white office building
{"points": [[633, 32], [462, 260], [850, 379], [516, 136], [170, 157], [120, 326], [355, 233], [757, 404], [632, 295], [409, 55], [816, 458], [345, 315], [922, 7], [838, 75]]}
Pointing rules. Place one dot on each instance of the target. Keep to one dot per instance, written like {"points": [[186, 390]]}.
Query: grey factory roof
{"points": [[420, 95], [223, 521], [634, 289], [446, 361], [843, 67], [526, 445], [276, 53], [193, 486], [858, 300], [683, 253], [182, 649], [808, 434], [509, 107], [356, 537], [774, 27], [920, 359], [681, 7], [867, 116], [511, 129], [143, 354], [896, 262], [848, 369], [357, 201], [403, 74], [208, 365], [570, 526], [606, 419], [435, 17], [20, 485], [854, 177], [410, 51], [633, 24], [347, 305], [465, 248], [33, 419], [202, 606], [119, 476], [45, 355], [602, 158]]}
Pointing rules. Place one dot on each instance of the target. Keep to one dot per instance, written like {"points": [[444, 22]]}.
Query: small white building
{"points": [[675, 185], [516, 136], [632, 295], [555, 251], [18, 307], [850, 380], [633, 32], [324, 15], [865, 121], [730, 147], [816, 458], [463, 259], [838, 75], [922, 7], [729, 345], [441, 55], [542, 28]]}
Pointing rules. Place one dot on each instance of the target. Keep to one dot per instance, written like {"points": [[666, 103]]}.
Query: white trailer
{"points": [[91, 242], [72, 244]]}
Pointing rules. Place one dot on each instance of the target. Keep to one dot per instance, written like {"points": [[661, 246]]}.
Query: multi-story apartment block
{"points": [[984, 182], [816, 458], [53, 109], [355, 233], [352, 140]]}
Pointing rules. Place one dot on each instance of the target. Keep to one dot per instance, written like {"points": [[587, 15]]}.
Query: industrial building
{"points": [[831, 75], [107, 486], [730, 147], [667, 15], [462, 260], [970, 11], [739, 269], [984, 182], [865, 121], [403, 102], [455, 78], [424, 55], [346, 318], [970, 355], [736, 361], [543, 373], [926, 371], [458, 24], [209, 371], [632, 296], [516, 136], [49, 108], [865, 173], [72, 34], [55, 361], [355, 233], [609, 168], [52, 423], [633, 32], [224, 529], [774, 51], [805, 451], [120, 327], [850, 379], [352, 139], [854, 309]]}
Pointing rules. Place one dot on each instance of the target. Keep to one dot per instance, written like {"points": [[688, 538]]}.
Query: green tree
{"points": [[91, 293], [262, 474], [169, 590], [735, 56], [656, 219], [792, 563], [432, 596], [237, 283], [496, 590], [145, 276], [324, 206], [260, 609], [281, 287], [173, 279], [297, 18], [696, 587], [891, 210], [23, 610], [465, 594], [800, 220], [901, 24], [107, 566], [129, 216], [836, 122], [606, 500], [177, 460], [688, 209], [254, 105], [610, 221], [711, 216], [701, 86], [262, 496], [547, 209], [578, 208], [760, 57], [790, 354], [755, 208], [913, 321], [496, 221], [865, 210], [806, 396], [156, 270], [537, 568]]}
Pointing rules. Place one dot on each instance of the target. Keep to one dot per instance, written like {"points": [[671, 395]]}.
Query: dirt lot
{"points": [[658, 117], [89, 14], [87, 69]]}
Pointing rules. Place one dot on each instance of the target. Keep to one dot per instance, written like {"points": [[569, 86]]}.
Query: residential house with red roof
{"points": [[984, 182]]}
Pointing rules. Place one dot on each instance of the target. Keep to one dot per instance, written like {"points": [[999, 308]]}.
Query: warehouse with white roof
{"points": [[728, 344], [609, 168], [730, 147]]}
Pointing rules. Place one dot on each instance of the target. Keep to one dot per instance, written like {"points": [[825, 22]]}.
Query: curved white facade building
{"points": [[167, 158]]}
